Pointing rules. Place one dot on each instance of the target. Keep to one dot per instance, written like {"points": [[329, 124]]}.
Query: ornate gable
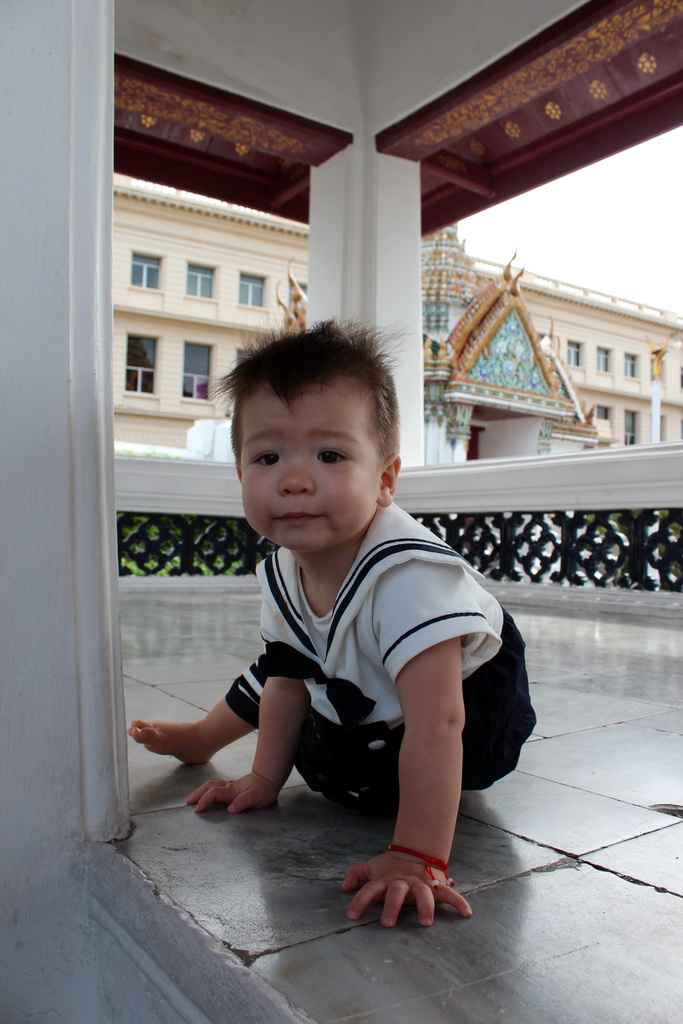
{"points": [[497, 357], [483, 353], [507, 359]]}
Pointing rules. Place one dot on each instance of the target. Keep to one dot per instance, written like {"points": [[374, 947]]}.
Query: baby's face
{"points": [[312, 475]]}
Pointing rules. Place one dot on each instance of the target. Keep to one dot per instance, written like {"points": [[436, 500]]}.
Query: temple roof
{"points": [[492, 356], [447, 271]]}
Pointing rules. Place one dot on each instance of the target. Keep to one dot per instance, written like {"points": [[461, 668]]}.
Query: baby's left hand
{"points": [[251, 790], [399, 882]]}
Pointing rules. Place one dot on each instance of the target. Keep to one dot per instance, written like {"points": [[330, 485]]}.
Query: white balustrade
{"points": [[634, 477]]}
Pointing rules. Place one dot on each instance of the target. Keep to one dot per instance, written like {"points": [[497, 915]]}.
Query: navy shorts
{"points": [[358, 766]]}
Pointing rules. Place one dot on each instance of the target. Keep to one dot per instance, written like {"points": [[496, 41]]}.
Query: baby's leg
{"points": [[192, 742]]}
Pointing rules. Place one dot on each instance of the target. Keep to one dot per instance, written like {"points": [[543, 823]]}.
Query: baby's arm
{"points": [[430, 772], [283, 710]]}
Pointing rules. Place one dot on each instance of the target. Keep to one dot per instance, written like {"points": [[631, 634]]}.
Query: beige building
{"points": [[194, 277], [604, 341]]}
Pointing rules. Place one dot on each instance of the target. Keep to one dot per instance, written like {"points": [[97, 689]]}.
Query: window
{"points": [[574, 353], [196, 371], [630, 365], [140, 364], [200, 281], [603, 360], [602, 412], [630, 422], [251, 290], [145, 271]]}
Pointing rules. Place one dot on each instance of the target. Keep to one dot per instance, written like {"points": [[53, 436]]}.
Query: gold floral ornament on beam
{"points": [[452, 163], [553, 111], [477, 147], [152, 102], [647, 64], [598, 90], [603, 42], [512, 130]]}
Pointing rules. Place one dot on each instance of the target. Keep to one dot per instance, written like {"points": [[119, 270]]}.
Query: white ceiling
{"points": [[359, 65]]}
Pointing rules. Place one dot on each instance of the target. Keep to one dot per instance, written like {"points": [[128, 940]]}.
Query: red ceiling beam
{"points": [[158, 161], [399, 139], [192, 136], [182, 104], [658, 111], [291, 185], [606, 77], [456, 169]]}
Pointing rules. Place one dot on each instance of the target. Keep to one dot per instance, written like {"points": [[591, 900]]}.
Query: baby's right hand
{"points": [[250, 791]]}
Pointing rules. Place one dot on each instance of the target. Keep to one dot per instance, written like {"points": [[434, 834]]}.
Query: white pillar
{"points": [[458, 451], [63, 767], [656, 411], [364, 262]]}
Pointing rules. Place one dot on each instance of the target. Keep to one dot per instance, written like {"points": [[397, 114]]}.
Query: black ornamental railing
{"points": [[636, 549]]}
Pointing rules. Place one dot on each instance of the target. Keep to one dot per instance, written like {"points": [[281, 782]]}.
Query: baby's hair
{"points": [[287, 363]]}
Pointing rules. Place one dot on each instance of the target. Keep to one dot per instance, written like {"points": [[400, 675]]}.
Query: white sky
{"points": [[616, 226]]}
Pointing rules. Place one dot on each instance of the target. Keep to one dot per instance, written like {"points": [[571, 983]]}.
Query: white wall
{"points": [[509, 438]]}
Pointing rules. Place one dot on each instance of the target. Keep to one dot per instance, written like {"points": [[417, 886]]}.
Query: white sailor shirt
{"points": [[406, 591]]}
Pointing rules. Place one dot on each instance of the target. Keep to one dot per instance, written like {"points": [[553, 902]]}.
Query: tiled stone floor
{"points": [[574, 871]]}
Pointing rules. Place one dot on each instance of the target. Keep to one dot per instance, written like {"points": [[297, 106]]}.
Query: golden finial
{"points": [[658, 351], [295, 312], [507, 273], [290, 320], [514, 290]]}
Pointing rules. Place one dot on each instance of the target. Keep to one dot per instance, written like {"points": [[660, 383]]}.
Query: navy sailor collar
{"points": [[393, 537]]}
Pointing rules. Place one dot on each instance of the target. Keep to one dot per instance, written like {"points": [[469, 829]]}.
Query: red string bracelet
{"points": [[429, 861]]}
